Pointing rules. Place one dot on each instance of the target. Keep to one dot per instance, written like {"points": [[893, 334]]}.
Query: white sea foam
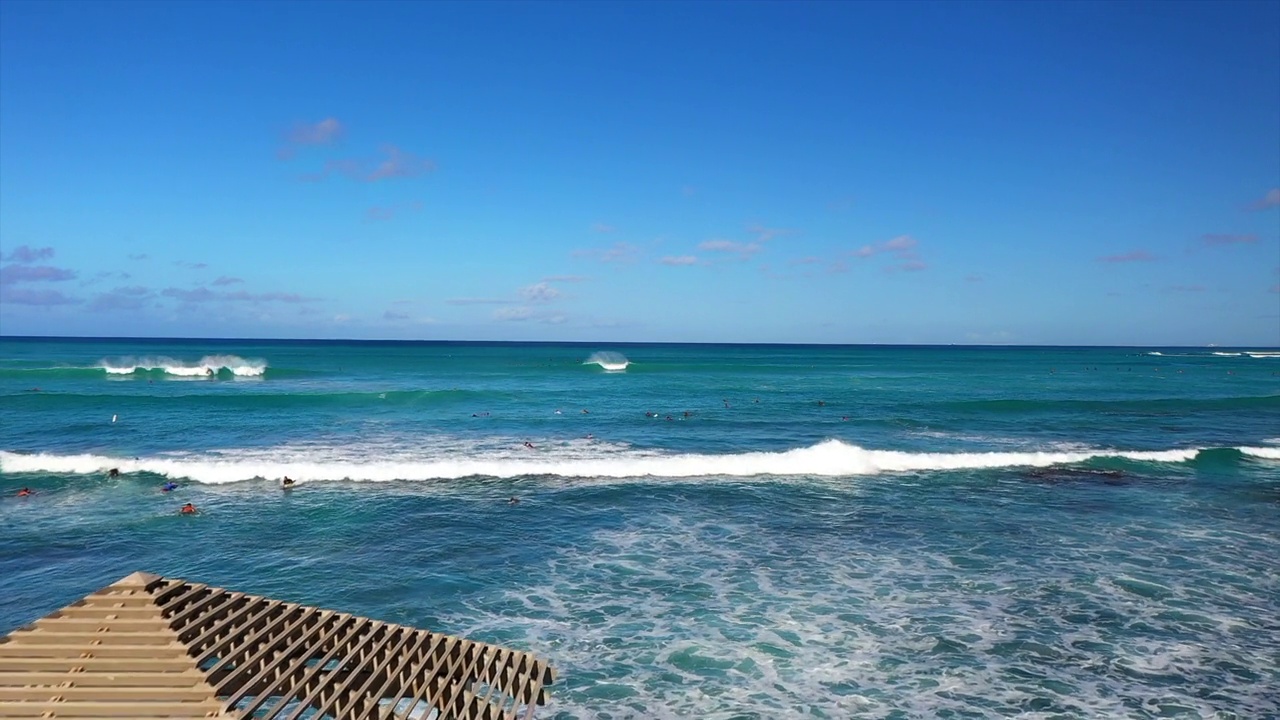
{"points": [[1261, 354], [234, 364], [610, 361], [580, 459], [1227, 354], [843, 627], [1269, 453]]}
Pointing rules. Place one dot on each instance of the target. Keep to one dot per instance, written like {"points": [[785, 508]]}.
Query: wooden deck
{"points": [[154, 647]]}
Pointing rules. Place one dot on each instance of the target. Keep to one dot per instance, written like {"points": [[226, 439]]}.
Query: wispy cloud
{"points": [[202, 295], [133, 297], [765, 234], [565, 278], [741, 249], [27, 296], [1131, 256], [139, 256], [226, 280], [620, 252], [602, 228], [325, 132], [388, 212], [1269, 200], [12, 274], [395, 315], [104, 275], [902, 248], [399, 164], [513, 314], [539, 293], [478, 301], [1223, 239], [26, 254], [394, 163], [1186, 288], [688, 191], [677, 260], [191, 265], [974, 278]]}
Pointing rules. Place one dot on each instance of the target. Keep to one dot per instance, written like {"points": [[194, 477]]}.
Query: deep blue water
{"points": [[835, 532]]}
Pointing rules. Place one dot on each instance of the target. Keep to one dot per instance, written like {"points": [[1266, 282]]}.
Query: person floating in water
{"points": [[514, 500], [26, 492], [188, 509], [169, 487], [287, 482], [113, 472]]}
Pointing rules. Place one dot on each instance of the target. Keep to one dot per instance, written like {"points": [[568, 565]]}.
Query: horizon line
{"points": [[616, 342]]}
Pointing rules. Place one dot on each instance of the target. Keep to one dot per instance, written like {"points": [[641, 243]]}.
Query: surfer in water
{"points": [[26, 492], [529, 445], [287, 482], [169, 487], [113, 472], [188, 509]]}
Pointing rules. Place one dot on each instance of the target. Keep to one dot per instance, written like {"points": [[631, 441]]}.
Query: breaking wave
{"points": [[207, 365], [575, 459], [610, 361]]}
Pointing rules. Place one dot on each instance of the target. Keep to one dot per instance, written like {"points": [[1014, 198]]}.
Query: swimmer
{"points": [[529, 445], [844, 418], [822, 403], [514, 500], [557, 412], [668, 418], [590, 436], [169, 487], [26, 492], [188, 509], [586, 411], [113, 472], [287, 482]]}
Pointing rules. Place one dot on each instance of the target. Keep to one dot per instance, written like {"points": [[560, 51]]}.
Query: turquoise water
{"points": [[828, 532]]}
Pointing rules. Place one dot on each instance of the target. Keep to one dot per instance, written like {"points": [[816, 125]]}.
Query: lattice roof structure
{"points": [[155, 647]]}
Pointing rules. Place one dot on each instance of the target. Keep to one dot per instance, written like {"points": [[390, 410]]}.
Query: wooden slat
{"points": [[135, 650]]}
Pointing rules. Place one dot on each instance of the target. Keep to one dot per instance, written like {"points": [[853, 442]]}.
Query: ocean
{"points": [[706, 531]]}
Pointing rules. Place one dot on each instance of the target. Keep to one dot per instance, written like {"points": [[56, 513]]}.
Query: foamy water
{"points": [[583, 459], [207, 365], [609, 361]]}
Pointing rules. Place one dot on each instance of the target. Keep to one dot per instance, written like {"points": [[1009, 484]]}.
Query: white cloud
{"points": [[513, 314], [539, 293], [679, 260]]}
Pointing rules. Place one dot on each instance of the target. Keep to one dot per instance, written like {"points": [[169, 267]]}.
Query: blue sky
{"points": [[1077, 173]]}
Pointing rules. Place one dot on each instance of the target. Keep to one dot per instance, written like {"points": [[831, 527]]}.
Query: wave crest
{"points": [[209, 364], [610, 361], [830, 458]]}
